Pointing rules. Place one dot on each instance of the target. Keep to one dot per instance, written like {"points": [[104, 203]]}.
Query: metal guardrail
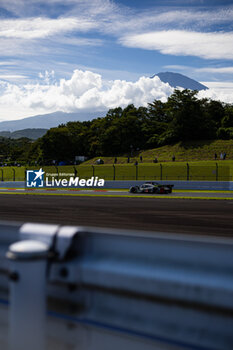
{"points": [[128, 290]]}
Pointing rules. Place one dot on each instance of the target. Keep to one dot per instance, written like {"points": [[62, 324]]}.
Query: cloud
{"points": [[85, 91], [111, 17], [214, 45], [162, 19], [52, 31], [176, 66], [219, 91], [220, 70], [223, 85], [48, 77], [190, 17], [12, 77], [34, 28], [7, 63]]}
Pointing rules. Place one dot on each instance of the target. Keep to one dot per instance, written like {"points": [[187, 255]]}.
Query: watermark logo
{"points": [[74, 182], [35, 178], [38, 179]]}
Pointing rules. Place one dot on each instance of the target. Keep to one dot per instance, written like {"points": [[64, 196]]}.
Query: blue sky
{"points": [[51, 49]]}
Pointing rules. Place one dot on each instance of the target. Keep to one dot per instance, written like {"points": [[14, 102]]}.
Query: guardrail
{"points": [[116, 289]]}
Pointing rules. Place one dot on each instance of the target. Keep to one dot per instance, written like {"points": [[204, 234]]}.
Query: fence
{"points": [[177, 171], [112, 289]]}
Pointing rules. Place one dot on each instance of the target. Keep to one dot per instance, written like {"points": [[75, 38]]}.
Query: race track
{"points": [[205, 217]]}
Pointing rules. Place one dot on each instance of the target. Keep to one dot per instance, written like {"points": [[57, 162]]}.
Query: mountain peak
{"points": [[180, 80]]}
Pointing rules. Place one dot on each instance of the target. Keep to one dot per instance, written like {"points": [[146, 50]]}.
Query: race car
{"points": [[151, 187]]}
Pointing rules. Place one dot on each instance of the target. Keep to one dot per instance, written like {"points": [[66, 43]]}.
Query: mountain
{"points": [[32, 134], [47, 121], [180, 80]]}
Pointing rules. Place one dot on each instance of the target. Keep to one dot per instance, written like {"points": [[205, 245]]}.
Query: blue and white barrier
{"points": [[178, 185]]}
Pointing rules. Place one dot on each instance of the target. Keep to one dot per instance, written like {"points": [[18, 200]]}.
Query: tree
{"points": [[227, 120], [189, 120], [57, 144]]}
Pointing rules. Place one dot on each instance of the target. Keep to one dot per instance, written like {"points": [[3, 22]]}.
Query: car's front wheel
{"points": [[133, 190]]}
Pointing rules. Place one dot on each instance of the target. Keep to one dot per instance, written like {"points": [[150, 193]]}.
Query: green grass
{"points": [[191, 151], [186, 151], [115, 196]]}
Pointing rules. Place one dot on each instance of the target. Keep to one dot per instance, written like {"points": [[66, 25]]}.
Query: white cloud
{"points": [[106, 16], [85, 91], [7, 63], [47, 76], [219, 91], [157, 20], [12, 76], [223, 85], [34, 28], [220, 70], [177, 67], [213, 45], [190, 17], [38, 31]]}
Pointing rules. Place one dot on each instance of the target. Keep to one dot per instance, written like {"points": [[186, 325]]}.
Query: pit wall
{"points": [[178, 185]]}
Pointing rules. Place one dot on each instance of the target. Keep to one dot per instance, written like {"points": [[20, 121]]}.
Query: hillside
{"points": [[186, 151], [32, 134], [48, 120]]}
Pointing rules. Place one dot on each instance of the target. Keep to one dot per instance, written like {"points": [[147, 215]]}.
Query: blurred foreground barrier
{"points": [[116, 289]]}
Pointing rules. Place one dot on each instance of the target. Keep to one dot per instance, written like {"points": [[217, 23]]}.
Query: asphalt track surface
{"points": [[204, 217]]}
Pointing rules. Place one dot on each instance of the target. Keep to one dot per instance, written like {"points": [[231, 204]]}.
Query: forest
{"points": [[124, 131]]}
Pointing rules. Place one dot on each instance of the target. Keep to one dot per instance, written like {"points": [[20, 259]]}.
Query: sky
{"points": [[88, 55]]}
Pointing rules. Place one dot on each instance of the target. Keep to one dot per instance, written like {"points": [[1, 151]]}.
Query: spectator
{"points": [[224, 156], [155, 160], [75, 172], [215, 156], [128, 160], [221, 156], [115, 160], [136, 163], [141, 159], [173, 158]]}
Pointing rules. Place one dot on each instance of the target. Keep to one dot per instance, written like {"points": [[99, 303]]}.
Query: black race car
{"points": [[151, 187]]}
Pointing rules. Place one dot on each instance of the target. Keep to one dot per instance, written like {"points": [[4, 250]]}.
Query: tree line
{"points": [[125, 130]]}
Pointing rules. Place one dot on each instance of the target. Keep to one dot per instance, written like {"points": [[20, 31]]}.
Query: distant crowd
{"points": [[222, 156]]}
